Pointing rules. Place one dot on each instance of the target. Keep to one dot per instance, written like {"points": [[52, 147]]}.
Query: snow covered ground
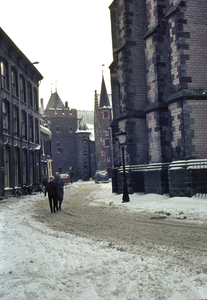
{"points": [[39, 263]]}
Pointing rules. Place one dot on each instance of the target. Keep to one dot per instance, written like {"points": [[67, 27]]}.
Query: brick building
{"points": [[159, 91], [20, 150], [72, 138], [102, 121]]}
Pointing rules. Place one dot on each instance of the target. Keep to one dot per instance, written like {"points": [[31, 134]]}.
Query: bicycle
{"points": [[25, 190]]}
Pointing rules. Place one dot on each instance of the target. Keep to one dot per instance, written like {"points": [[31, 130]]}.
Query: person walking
{"points": [[60, 184], [51, 189]]}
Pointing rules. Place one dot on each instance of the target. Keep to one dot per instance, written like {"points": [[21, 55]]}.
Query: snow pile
{"points": [[39, 263], [193, 209]]}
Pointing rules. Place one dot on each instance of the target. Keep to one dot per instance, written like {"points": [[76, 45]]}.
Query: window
{"points": [[5, 112], [107, 143], [14, 82], [4, 75], [101, 139], [59, 149], [84, 139], [31, 167], [108, 159], [35, 99], [60, 170], [16, 166], [70, 130], [31, 138], [6, 166], [85, 165], [43, 146], [58, 129], [24, 125], [29, 94], [22, 88], [106, 133], [105, 115], [24, 166], [36, 131], [15, 121], [85, 153]]}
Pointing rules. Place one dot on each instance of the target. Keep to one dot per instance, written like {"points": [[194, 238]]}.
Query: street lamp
{"points": [[122, 142]]}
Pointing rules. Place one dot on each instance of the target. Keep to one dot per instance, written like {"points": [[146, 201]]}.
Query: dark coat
{"points": [[51, 188], [60, 185]]}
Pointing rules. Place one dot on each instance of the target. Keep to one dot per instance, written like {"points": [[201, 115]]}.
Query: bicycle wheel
{"points": [[18, 193]]}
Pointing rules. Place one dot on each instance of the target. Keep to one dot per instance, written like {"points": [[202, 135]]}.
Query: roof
{"points": [[20, 53], [55, 102], [104, 99], [85, 122]]}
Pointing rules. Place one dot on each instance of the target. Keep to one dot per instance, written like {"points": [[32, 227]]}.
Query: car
{"points": [[65, 178], [101, 177]]}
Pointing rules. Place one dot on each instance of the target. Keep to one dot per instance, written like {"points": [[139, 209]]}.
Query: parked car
{"points": [[65, 178], [101, 177]]}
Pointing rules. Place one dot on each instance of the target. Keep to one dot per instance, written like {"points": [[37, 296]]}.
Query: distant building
{"points": [[20, 151], [45, 138], [72, 138], [102, 121]]}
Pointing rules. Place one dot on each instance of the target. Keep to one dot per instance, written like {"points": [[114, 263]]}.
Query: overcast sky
{"points": [[70, 40]]}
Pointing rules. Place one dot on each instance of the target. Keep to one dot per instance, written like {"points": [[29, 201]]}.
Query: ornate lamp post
{"points": [[122, 142]]}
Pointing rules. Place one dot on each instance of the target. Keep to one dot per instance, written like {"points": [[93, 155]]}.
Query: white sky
{"points": [[70, 40], [40, 263]]}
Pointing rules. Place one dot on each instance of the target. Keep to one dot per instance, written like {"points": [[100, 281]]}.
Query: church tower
{"points": [[102, 121]]}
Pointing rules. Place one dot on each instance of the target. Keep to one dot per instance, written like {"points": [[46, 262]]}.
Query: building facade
{"points": [[102, 121], [159, 88], [71, 143], [20, 151]]}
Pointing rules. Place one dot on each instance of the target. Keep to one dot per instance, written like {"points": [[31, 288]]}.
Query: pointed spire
{"points": [[95, 101], [104, 99]]}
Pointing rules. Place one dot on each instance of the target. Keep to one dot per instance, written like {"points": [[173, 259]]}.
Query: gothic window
{"points": [[14, 82], [22, 88], [29, 94], [4, 74], [5, 117]]}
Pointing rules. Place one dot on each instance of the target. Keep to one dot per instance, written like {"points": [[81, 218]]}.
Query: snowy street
{"points": [[159, 252]]}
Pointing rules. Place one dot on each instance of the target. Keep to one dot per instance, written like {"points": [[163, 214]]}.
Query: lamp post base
{"points": [[125, 197]]}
